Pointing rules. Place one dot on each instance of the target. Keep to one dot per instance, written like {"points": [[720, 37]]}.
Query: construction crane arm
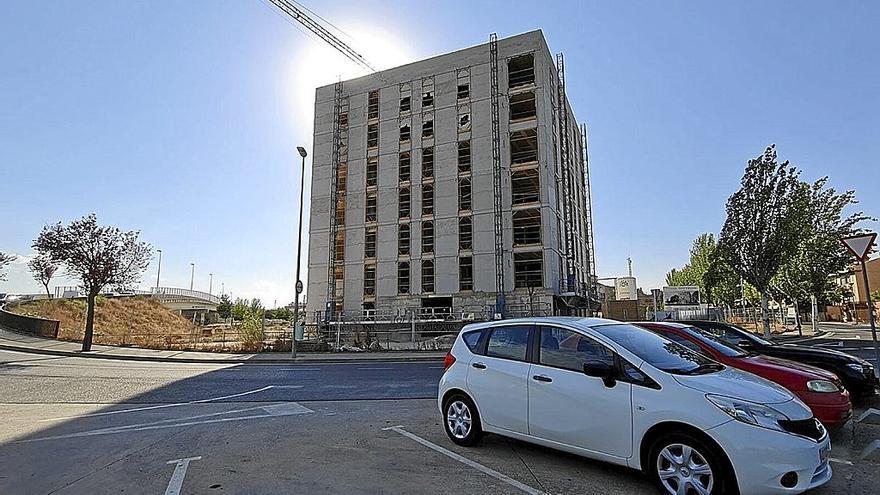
{"points": [[313, 26]]}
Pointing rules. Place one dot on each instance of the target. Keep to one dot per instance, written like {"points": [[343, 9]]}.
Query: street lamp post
{"points": [[210, 284], [159, 269], [192, 274], [299, 287]]}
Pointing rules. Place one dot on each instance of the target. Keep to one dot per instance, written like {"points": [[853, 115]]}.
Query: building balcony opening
{"points": [[340, 246], [427, 277], [373, 105], [370, 280], [403, 163], [341, 176], [523, 146], [427, 129], [428, 163], [466, 273], [427, 199], [521, 71], [465, 233], [464, 195], [528, 270], [525, 186], [403, 278], [427, 237], [522, 106], [372, 135], [371, 208], [464, 157], [527, 227], [403, 239], [405, 133], [370, 243], [340, 209], [372, 171], [403, 203]]}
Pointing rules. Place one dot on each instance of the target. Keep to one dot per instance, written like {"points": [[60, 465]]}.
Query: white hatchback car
{"points": [[619, 393]]}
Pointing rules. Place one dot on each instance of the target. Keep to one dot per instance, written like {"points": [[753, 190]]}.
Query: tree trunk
{"points": [[765, 314], [49, 295], [797, 318], [90, 323]]}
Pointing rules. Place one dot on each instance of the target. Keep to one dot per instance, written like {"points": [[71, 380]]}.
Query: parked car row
{"points": [[685, 404]]}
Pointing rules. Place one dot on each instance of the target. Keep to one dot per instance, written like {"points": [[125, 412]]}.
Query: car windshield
{"points": [[657, 351], [726, 348]]}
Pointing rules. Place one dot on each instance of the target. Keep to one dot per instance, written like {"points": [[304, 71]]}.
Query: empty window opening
{"points": [[372, 170], [427, 276], [522, 106], [373, 105], [404, 132], [404, 203], [521, 71], [340, 246], [403, 239], [403, 278], [464, 194], [370, 209], [465, 234], [464, 84], [373, 135], [464, 157], [343, 120], [466, 273], [427, 92], [428, 129], [526, 227], [403, 161], [464, 118], [528, 269], [370, 242], [341, 176], [340, 209], [525, 186], [427, 199], [428, 163], [370, 280], [427, 237], [524, 146], [405, 104]]}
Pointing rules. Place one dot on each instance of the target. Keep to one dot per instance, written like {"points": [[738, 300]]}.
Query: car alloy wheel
{"points": [[458, 419], [683, 470]]}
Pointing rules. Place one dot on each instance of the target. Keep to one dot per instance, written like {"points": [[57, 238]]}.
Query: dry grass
{"points": [[138, 321]]}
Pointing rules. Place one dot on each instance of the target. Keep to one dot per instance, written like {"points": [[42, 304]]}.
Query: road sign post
{"points": [[860, 247]]}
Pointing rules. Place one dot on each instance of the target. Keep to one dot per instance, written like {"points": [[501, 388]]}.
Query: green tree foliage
{"points": [[820, 254], [224, 308], [694, 271], [763, 226], [97, 256], [5, 259]]}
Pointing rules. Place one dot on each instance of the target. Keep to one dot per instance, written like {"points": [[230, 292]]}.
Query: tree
{"points": [[5, 259], [762, 229], [820, 254], [224, 308], [98, 256], [43, 269]]}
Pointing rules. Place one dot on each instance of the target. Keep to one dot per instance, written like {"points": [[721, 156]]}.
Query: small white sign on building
{"points": [[625, 289]]}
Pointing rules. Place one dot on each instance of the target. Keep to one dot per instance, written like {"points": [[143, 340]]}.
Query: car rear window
{"points": [[472, 339], [508, 342]]}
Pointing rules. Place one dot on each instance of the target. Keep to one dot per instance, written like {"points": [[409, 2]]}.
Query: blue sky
{"points": [[181, 119]]}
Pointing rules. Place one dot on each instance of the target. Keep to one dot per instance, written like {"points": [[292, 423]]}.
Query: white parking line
{"points": [[464, 460], [179, 473], [161, 406]]}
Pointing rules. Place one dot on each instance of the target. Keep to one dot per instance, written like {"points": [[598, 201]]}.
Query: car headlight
{"points": [[749, 412], [857, 367], [822, 386]]}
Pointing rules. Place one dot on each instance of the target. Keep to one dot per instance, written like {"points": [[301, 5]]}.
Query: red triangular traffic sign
{"points": [[860, 245]]}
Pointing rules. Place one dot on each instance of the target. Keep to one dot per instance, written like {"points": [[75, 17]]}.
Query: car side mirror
{"points": [[602, 370]]}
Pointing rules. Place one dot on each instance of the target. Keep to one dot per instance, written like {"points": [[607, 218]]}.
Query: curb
{"points": [[288, 361]]}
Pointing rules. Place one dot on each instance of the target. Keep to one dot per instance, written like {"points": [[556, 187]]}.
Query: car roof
{"points": [[576, 321]]}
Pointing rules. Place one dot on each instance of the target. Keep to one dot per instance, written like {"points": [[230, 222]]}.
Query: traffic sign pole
{"points": [[860, 247]]}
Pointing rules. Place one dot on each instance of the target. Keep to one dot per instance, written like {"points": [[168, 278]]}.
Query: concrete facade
{"points": [[458, 116]]}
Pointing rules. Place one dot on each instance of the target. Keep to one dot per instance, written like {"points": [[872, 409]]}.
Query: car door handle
{"points": [[542, 378], [479, 366]]}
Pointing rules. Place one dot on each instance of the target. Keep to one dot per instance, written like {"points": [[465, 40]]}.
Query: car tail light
{"points": [[448, 360]]}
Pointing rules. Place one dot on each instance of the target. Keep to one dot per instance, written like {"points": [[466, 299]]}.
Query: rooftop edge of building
{"points": [[536, 35]]}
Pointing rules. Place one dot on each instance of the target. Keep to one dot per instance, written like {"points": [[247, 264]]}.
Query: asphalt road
{"points": [[77, 425]]}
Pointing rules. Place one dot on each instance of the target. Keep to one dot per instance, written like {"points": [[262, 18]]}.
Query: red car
{"points": [[821, 390]]}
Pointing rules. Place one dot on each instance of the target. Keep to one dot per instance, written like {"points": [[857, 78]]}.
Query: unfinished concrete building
{"points": [[455, 188]]}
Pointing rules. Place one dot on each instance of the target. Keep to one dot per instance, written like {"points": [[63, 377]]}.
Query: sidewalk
{"points": [[11, 341]]}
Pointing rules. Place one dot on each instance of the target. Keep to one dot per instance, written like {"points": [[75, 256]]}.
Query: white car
{"points": [[616, 392]]}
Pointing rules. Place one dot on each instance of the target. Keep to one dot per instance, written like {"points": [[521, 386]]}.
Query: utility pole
{"points": [[192, 274], [210, 284], [299, 284], [159, 269]]}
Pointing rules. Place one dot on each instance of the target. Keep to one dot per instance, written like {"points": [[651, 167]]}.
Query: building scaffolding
{"points": [[496, 169]]}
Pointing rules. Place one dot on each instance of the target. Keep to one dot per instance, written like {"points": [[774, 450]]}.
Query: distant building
{"points": [[426, 197]]}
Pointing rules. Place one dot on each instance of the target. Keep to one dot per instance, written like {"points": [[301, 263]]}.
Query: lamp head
{"points": [[302, 151]]}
